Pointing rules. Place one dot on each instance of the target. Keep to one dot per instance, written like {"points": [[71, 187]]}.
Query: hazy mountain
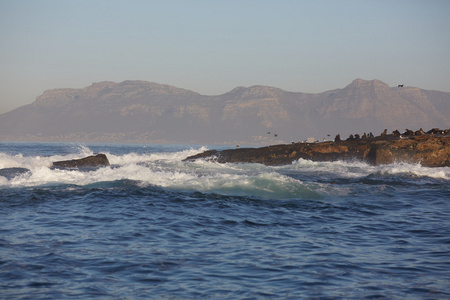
{"points": [[137, 111]]}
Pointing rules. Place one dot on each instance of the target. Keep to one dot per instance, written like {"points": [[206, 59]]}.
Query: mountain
{"points": [[139, 111]]}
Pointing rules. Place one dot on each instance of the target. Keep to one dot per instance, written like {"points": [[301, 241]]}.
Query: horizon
{"points": [[213, 47]]}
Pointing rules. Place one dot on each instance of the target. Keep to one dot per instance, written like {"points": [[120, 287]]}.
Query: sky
{"points": [[211, 47]]}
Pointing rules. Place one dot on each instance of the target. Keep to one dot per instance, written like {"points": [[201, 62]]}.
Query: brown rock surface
{"points": [[428, 150]]}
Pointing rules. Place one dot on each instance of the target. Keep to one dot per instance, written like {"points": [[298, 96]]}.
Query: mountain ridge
{"points": [[149, 112]]}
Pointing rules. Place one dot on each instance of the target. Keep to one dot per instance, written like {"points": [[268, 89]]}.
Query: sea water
{"points": [[153, 226]]}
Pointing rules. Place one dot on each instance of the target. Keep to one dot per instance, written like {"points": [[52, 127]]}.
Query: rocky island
{"points": [[430, 149]]}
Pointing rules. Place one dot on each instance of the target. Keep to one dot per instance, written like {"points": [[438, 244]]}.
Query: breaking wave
{"points": [[166, 169]]}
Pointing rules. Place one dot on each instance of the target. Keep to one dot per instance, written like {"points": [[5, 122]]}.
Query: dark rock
{"points": [[428, 150], [98, 160], [10, 173]]}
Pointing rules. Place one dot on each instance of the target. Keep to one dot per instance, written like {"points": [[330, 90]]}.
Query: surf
{"points": [[163, 167]]}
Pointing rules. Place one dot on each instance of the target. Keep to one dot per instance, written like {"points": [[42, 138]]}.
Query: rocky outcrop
{"points": [[429, 150], [93, 161]]}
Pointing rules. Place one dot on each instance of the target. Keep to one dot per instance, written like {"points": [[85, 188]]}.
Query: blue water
{"points": [[152, 226]]}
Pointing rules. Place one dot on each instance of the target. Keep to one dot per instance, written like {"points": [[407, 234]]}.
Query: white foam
{"points": [[167, 170], [3, 181], [416, 170], [341, 168], [358, 169], [140, 167], [30, 162]]}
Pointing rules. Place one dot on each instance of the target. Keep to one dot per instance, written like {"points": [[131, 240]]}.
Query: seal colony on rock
{"points": [[430, 149]]}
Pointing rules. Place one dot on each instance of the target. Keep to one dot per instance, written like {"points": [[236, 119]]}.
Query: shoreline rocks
{"points": [[430, 150]]}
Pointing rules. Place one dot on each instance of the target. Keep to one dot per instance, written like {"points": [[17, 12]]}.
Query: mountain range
{"points": [[147, 112]]}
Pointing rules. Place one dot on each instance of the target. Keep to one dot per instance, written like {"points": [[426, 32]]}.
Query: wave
{"points": [[360, 169], [301, 180]]}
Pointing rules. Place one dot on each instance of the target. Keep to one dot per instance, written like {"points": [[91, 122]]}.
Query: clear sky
{"points": [[211, 47]]}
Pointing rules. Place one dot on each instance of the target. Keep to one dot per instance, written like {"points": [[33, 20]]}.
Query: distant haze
{"points": [[213, 46], [147, 112]]}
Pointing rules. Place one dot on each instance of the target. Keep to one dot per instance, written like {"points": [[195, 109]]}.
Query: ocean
{"points": [[151, 226]]}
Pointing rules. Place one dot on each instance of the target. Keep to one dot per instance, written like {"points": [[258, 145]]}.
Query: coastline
{"points": [[427, 149]]}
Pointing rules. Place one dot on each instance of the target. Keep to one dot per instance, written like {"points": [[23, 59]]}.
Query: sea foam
{"points": [[167, 170]]}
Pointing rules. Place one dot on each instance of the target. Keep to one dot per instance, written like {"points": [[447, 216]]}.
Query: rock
{"points": [[98, 160], [428, 150], [10, 173]]}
